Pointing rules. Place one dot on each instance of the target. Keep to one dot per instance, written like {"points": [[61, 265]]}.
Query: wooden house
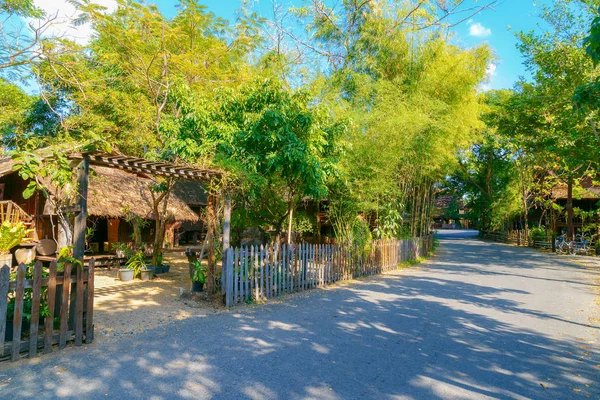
{"points": [[112, 194], [586, 197]]}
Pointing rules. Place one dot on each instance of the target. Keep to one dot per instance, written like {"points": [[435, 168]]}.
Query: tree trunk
{"points": [[318, 223], [570, 227], [290, 219], [159, 237], [525, 214], [160, 222], [65, 233], [541, 218], [211, 219]]}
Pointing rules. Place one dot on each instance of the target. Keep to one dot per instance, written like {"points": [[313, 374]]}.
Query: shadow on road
{"points": [[469, 325]]}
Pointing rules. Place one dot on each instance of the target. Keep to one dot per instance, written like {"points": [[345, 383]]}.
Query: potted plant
{"points": [[199, 276], [144, 271], [133, 266], [11, 235], [147, 273], [159, 267]]}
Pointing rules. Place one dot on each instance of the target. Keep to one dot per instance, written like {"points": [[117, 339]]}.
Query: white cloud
{"points": [[490, 70], [65, 13], [478, 30]]}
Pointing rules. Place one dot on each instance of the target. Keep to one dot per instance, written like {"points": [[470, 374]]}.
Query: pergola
{"points": [[141, 166]]}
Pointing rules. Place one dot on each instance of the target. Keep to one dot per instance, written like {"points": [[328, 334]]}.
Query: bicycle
{"points": [[561, 245], [579, 245]]}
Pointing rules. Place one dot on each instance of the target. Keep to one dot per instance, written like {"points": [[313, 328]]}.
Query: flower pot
{"points": [[197, 286], [126, 274], [166, 268], [6, 259], [147, 273], [158, 269], [25, 255]]}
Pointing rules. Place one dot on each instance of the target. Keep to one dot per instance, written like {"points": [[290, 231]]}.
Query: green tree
{"points": [[558, 62]]}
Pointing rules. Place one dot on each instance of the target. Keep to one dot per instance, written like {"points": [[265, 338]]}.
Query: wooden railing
{"points": [[47, 308], [519, 238], [10, 211], [259, 272]]}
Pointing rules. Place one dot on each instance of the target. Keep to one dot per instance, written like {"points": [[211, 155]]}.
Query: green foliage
{"points": [[362, 239], [11, 235], [28, 296], [369, 121], [303, 223], [410, 96], [592, 41], [534, 139], [65, 255], [122, 247], [22, 8], [138, 223], [389, 223], [136, 262], [200, 272], [539, 232]]}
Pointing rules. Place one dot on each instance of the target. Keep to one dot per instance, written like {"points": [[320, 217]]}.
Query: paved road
{"points": [[479, 320]]}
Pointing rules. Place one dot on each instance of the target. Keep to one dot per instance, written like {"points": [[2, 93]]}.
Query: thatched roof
{"points": [[191, 192], [6, 164], [585, 190], [113, 191], [560, 192]]}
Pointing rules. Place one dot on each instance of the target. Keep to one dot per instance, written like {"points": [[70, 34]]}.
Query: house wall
{"points": [[13, 190]]}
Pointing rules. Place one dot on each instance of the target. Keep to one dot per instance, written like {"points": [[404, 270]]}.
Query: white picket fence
{"points": [[260, 272]]}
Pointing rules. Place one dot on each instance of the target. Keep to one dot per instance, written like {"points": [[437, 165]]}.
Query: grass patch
{"points": [[410, 263]]}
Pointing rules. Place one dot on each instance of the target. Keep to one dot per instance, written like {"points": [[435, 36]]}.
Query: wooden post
{"points": [[18, 315], [35, 309], [4, 280], [51, 296], [211, 219], [229, 280], [226, 241], [83, 174], [79, 231], [89, 317]]}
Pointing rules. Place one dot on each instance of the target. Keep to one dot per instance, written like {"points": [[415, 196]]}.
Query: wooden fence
{"points": [[45, 311], [260, 272], [519, 238]]}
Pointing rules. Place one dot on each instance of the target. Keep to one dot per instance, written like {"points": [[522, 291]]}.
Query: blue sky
{"points": [[496, 27]]}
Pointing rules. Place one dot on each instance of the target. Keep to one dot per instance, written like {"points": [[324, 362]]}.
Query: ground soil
{"points": [[128, 308]]}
